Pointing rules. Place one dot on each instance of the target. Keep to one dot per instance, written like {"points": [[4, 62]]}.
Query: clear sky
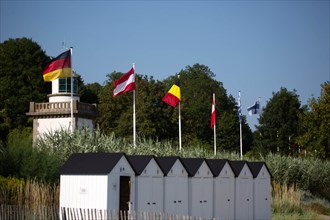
{"points": [[256, 47]]}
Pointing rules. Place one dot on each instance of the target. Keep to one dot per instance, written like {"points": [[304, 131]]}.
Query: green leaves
{"points": [[316, 124], [279, 122], [21, 81]]}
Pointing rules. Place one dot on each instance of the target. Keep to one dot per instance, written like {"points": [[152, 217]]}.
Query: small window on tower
{"points": [[64, 85]]}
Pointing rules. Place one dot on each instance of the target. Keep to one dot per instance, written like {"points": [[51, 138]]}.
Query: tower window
{"points": [[64, 85]]}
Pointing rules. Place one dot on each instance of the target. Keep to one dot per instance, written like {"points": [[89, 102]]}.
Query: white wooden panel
{"points": [[201, 197], [262, 198], [157, 194], [176, 195], [143, 194], [83, 191], [244, 198], [224, 202]]}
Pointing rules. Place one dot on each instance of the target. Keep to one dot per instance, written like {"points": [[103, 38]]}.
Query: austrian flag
{"points": [[125, 84], [213, 114]]}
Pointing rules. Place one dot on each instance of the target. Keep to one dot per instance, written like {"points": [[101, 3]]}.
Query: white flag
{"points": [[254, 109]]}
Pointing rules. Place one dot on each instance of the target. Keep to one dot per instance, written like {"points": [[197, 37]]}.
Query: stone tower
{"points": [[56, 114]]}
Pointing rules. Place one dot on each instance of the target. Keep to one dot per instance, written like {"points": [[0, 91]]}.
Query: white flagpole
{"points": [[241, 142], [134, 121], [72, 128], [180, 141], [214, 129], [240, 127]]}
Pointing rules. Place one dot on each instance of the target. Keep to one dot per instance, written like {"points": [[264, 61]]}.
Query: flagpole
{"points": [[180, 141], [214, 130], [241, 142], [240, 128], [134, 115], [71, 92]]}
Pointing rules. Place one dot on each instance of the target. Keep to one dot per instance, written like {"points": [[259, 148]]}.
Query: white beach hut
{"points": [[102, 181], [243, 190], [175, 185], [223, 188], [200, 187], [261, 190], [149, 184]]}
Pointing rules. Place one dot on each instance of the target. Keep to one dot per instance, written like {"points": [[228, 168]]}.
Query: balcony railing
{"points": [[62, 108]]}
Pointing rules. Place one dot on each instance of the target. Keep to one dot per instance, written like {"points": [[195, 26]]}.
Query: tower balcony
{"points": [[62, 109]]}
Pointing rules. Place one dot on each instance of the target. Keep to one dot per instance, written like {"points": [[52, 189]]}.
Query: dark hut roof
{"points": [[216, 165], [166, 163], [256, 167], [192, 165], [237, 166], [90, 163], [139, 162]]}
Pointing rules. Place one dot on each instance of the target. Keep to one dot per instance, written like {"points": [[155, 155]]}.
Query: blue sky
{"points": [[256, 47]]}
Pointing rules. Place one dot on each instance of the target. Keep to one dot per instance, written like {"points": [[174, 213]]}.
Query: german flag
{"points": [[58, 67], [173, 96]]}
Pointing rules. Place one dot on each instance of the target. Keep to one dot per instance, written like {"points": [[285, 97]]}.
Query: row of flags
{"points": [[127, 83], [61, 67]]}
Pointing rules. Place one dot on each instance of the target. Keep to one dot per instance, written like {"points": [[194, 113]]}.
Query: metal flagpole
{"points": [[240, 125], [214, 129], [134, 121], [180, 141], [71, 92], [241, 142]]}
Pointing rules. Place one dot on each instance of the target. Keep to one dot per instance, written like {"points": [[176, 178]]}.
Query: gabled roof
{"points": [[216, 165], [90, 163], [139, 162], [166, 163], [192, 165], [237, 166], [256, 167]]}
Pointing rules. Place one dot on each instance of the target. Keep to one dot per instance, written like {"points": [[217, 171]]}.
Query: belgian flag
{"points": [[58, 67], [173, 96]]}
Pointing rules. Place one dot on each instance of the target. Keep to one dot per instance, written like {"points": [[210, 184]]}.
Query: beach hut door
{"points": [[125, 191]]}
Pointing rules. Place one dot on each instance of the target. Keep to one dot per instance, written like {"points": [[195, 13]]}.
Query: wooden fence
{"points": [[22, 212], [19, 212], [96, 214]]}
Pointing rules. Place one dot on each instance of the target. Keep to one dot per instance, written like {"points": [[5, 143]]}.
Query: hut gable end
{"points": [[259, 169], [197, 167], [241, 169], [145, 165], [90, 163]]}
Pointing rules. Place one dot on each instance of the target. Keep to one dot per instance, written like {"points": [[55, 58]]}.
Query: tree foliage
{"points": [[117, 112], [316, 125], [156, 119], [21, 82], [279, 122], [197, 88]]}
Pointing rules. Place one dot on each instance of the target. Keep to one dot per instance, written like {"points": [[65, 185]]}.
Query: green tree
{"points": [[316, 125], [89, 93], [197, 87], [21, 82], [279, 122], [116, 113]]}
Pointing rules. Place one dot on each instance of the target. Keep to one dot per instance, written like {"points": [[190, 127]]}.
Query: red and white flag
{"points": [[213, 114], [125, 84]]}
